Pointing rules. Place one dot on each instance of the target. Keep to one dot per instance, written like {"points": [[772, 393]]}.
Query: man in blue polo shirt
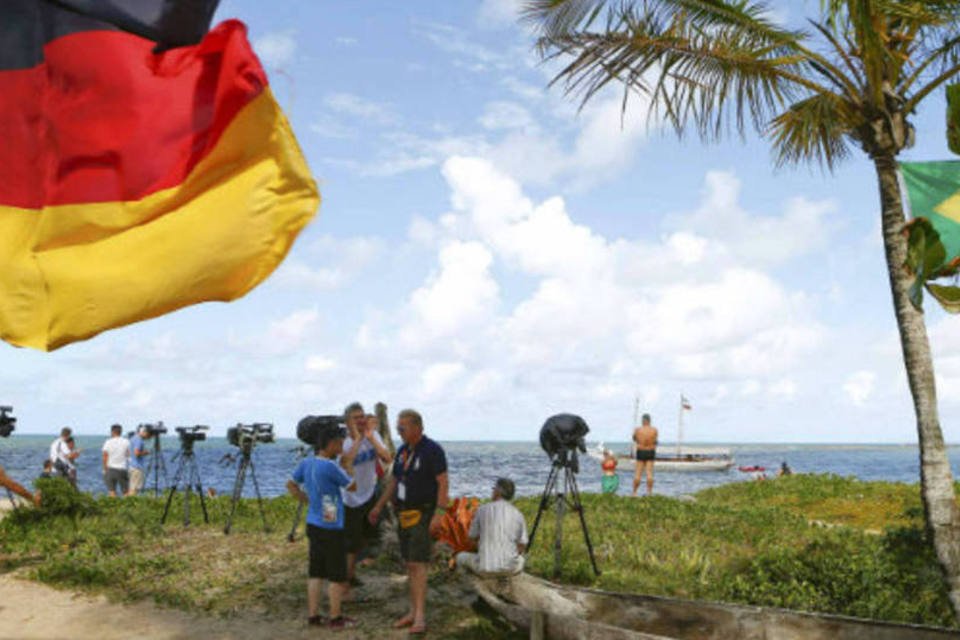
{"points": [[322, 478], [419, 483]]}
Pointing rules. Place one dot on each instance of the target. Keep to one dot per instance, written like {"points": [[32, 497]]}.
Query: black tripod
{"points": [[189, 474], [302, 452], [246, 462], [156, 466], [563, 494]]}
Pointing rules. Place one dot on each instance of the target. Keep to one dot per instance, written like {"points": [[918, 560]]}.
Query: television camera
{"points": [[7, 422], [246, 436], [561, 437], [315, 430]]}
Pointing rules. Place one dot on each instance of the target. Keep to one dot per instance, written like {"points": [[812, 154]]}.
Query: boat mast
{"points": [[680, 426]]}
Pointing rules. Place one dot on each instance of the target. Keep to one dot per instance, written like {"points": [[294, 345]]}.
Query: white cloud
{"points": [[456, 299], [505, 115], [859, 387], [289, 333], [346, 41], [354, 106], [438, 377], [276, 49], [318, 364], [499, 13], [329, 263], [762, 239]]}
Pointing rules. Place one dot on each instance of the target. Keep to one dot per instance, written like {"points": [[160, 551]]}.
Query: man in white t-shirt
{"points": [[116, 454], [501, 532], [60, 453], [365, 442]]}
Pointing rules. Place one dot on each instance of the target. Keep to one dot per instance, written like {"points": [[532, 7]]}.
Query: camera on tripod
{"points": [[562, 436], [314, 430], [190, 435], [7, 422], [153, 429], [246, 436]]}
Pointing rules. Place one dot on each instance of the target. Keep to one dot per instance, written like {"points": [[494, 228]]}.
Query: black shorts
{"points": [[646, 454], [356, 525], [328, 554], [116, 480], [416, 545]]}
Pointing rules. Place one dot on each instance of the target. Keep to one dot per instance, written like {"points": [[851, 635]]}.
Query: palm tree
{"points": [[853, 79]]}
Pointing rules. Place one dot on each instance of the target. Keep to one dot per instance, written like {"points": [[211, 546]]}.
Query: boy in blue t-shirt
{"points": [[322, 478]]}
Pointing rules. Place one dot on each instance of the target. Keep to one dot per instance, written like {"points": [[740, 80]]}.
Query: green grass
{"points": [[757, 543]]}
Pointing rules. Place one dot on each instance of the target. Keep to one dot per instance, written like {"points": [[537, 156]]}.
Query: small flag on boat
{"points": [[685, 404], [146, 166]]}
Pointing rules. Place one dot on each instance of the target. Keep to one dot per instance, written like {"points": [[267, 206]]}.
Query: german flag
{"points": [[144, 166]]}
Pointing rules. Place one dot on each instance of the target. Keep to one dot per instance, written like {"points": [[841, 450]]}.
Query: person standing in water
{"points": [[609, 481], [645, 449]]}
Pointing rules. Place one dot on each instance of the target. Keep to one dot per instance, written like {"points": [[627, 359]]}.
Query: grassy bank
{"points": [[815, 543], [808, 542]]}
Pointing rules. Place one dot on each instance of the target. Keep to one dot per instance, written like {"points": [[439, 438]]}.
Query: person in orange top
{"points": [[610, 481]]}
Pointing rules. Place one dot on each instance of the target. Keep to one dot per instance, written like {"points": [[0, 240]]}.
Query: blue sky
{"points": [[490, 256]]}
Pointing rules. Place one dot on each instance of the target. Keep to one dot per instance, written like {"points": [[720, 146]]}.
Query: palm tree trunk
{"points": [[936, 481]]}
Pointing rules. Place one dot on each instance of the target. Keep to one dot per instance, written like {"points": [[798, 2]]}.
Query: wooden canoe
{"points": [[563, 612]]}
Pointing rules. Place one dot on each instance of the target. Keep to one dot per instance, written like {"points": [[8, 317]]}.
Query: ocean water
{"points": [[475, 465]]}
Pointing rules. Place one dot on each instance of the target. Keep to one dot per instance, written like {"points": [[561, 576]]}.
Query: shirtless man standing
{"points": [[645, 448]]}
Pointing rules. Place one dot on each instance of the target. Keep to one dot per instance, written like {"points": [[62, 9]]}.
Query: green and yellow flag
{"points": [[933, 191]]}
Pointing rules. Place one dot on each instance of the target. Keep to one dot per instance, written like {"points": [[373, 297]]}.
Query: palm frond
{"points": [[815, 129], [711, 76]]}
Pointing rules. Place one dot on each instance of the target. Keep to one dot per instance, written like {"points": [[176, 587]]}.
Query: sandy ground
{"points": [[29, 610]]}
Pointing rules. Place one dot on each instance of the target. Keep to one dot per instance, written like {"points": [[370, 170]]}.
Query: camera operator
{"points": [[138, 455], [420, 484], [59, 453], [366, 447], [322, 479], [116, 454]]}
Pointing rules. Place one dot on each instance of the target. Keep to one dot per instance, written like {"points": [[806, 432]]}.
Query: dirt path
{"points": [[29, 610]]}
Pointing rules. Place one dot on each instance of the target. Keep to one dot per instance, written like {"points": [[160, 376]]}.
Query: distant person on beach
{"points": [[47, 472], [500, 532], [420, 484], [785, 470], [116, 455], [645, 449], [322, 480], [138, 461], [367, 448], [610, 480], [59, 451], [72, 454]]}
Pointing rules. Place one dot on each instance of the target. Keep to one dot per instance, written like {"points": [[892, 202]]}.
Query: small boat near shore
{"points": [[562, 612]]}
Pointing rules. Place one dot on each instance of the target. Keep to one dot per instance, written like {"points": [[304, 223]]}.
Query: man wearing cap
{"points": [[501, 532], [419, 483], [322, 479]]}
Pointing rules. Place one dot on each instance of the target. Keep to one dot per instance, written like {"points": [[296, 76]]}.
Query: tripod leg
{"points": [[237, 491], [292, 536], [256, 488], [558, 533], [544, 500], [203, 503], [578, 507], [173, 488], [187, 489]]}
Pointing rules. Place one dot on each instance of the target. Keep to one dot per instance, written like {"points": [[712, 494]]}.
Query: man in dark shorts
{"points": [[419, 483], [364, 447], [322, 479], [116, 455], [645, 448]]}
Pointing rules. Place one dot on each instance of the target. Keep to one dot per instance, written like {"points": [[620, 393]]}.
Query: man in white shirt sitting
{"points": [[60, 452], [501, 532]]}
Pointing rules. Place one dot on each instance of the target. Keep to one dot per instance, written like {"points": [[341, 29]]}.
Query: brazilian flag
{"points": [[146, 165], [933, 191]]}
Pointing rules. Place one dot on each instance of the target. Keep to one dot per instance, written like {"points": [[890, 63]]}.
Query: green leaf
{"points": [[953, 118], [947, 296]]}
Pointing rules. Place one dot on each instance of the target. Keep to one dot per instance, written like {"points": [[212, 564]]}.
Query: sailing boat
{"points": [[680, 458]]}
